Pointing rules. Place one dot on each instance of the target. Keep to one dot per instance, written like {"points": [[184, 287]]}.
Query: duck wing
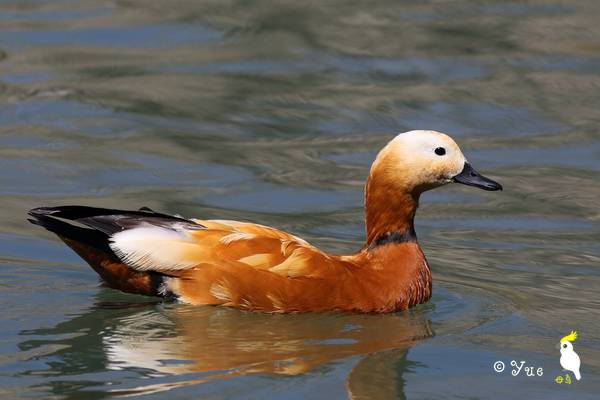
{"points": [[182, 246]]}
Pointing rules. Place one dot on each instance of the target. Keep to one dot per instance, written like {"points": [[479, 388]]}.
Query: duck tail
{"points": [[66, 231], [92, 244]]}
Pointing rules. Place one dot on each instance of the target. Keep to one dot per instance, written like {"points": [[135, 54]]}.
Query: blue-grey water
{"points": [[272, 112]]}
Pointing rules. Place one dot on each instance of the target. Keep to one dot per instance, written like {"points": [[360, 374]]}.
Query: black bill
{"points": [[468, 176]]}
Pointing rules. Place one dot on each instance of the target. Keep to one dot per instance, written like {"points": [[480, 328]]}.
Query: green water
{"points": [[272, 112]]}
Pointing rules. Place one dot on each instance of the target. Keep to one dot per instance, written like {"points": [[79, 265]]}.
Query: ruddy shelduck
{"points": [[259, 268]]}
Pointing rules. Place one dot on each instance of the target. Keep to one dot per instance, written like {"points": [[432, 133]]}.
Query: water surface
{"points": [[272, 113]]}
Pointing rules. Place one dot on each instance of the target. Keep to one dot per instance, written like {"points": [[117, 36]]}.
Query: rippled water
{"points": [[272, 112]]}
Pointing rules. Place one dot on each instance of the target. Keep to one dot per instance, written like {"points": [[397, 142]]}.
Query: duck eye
{"points": [[440, 151]]}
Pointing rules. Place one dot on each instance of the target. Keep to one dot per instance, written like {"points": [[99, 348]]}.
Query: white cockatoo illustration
{"points": [[569, 360]]}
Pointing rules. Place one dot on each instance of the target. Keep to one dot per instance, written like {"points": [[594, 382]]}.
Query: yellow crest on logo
{"points": [[570, 337]]}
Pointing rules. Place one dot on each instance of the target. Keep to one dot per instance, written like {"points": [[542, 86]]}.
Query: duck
{"points": [[260, 268]]}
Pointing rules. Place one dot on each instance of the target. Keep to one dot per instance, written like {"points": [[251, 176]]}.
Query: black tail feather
{"points": [[110, 221], [91, 237], [79, 212]]}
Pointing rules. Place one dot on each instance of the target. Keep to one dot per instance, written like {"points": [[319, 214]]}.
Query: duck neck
{"points": [[389, 214]]}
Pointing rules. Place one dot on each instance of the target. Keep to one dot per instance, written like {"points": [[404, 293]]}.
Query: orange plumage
{"points": [[259, 268]]}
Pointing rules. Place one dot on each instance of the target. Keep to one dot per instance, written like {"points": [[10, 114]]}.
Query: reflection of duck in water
{"points": [[192, 345], [255, 267], [216, 339]]}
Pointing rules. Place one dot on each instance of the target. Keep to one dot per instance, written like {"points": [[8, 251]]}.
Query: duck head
{"points": [[410, 164]]}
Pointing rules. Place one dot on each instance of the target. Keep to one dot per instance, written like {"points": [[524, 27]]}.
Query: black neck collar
{"points": [[408, 235]]}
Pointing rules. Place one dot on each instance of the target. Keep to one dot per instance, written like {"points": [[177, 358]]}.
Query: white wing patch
{"points": [[150, 247]]}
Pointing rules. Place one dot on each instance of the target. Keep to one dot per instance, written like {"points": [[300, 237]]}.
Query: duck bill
{"points": [[468, 176]]}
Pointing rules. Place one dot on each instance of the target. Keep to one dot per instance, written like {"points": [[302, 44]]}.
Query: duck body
{"points": [[239, 264], [258, 268]]}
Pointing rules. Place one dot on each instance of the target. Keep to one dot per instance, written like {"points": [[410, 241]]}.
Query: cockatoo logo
{"points": [[569, 360]]}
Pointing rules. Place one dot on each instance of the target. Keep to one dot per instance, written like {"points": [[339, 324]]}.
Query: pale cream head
{"points": [[420, 160]]}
